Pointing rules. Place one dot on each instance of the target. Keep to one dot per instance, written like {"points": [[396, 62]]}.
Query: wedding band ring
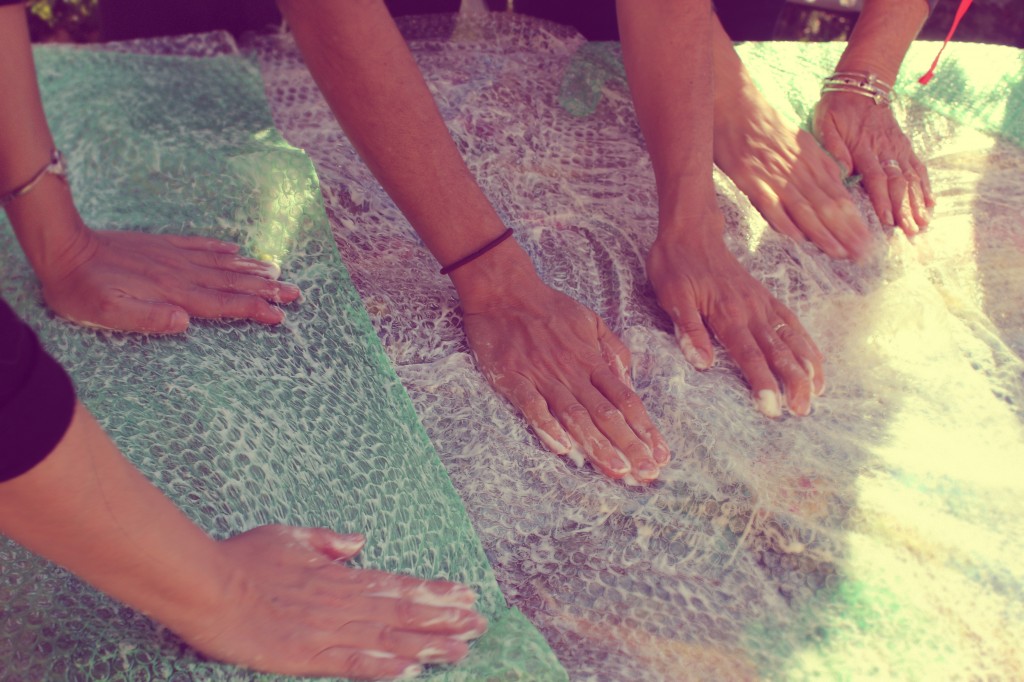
{"points": [[891, 163], [779, 327]]}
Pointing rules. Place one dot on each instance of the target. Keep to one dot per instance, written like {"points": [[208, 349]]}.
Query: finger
{"points": [[524, 396], [840, 215], [197, 243], [240, 282], [591, 442], [746, 352], [234, 263], [374, 583], [877, 185], [915, 191], [225, 305], [629, 405], [796, 383], [899, 193], [803, 347], [119, 311], [807, 212], [833, 143], [692, 336], [926, 183], [336, 546], [615, 353], [606, 408], [415, 646], [406, 614], [361, 665], [768, 204]]}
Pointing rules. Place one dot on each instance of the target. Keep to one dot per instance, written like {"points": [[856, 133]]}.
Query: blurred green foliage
{"points": [[64, 20]]}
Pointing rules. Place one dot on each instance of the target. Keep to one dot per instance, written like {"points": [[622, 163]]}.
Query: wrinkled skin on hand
{"points": [[866, 138], [133, 281], [707, 291], [292, 608], [789, 179], [565, 371]]}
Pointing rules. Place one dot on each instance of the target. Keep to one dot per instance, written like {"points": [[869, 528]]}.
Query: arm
{"points": [[864, 136], [697, 280], [553, 359], [786, 174], [120, 280], [272, 598]]}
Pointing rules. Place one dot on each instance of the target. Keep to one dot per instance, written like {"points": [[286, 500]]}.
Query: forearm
{"points": [[45, 219], [882, 36], [666, 47], [86, 508], [375, 89]]}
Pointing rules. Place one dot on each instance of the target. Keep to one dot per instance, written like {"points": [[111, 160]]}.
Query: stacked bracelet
{"points": [[859, 83], [56, 167], [476, 254]]}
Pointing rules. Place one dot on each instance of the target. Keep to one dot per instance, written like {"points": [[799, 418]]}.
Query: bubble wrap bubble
{"points": [[240, 425], [877, 539]]}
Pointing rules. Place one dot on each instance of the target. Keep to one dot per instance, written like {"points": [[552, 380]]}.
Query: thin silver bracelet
{"points": [[56, 166], [854, 82]]}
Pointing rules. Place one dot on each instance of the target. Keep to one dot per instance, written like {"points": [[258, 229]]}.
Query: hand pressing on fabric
{"points": [[789, 179], [275, 598], [292, 607], [568, 374], [865, 137], [138, 282], [707, 291]]}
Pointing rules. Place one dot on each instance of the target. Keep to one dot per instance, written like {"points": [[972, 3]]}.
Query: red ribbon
{"points": [[960, 12]]}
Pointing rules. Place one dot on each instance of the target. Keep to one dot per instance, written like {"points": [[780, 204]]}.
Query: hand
{"points": [[789, 179], [864, 137], [133, 281], [290, 608], [560, 366], [704, 288]]}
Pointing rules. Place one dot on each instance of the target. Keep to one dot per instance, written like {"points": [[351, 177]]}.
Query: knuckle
{"points": [[628, 399], [605, 411], [747, 351], [574, 413]]}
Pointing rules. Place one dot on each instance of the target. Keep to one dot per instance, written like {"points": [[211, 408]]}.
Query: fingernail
{"points": [[290, 290], [696, 357], [179, 320], [280, 316], [471, 634], [887, 220], [619, 465], [560, 445], [434, 654], [769, 403], [457, 596], [411, 672], [648, 470], [272, 269], [629, 480], [348, 544], [661, 454], [576, 455]]}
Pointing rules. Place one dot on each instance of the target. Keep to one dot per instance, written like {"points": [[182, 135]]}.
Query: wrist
{"points": [[49, 228], [494, 277]]}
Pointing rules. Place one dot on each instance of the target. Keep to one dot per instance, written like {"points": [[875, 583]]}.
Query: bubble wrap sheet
{"points": [[240, 425], [879, 538]]}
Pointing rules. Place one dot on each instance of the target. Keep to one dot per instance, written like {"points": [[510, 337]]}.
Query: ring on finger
{"points": [[891, 163], [779, 327]]}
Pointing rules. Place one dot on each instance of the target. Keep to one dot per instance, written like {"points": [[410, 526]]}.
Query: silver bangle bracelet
{"points": [[876, 95], [854, 82], [56, 166]]}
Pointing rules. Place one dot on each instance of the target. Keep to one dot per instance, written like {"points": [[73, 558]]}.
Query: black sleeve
{"points": [[37, 398], [11, 2]]}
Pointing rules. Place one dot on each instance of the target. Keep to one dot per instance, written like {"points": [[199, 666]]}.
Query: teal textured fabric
{"points": [[240, 425]]}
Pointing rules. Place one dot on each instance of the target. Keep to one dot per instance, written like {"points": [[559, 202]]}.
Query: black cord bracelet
{"points": [[476, 254]]}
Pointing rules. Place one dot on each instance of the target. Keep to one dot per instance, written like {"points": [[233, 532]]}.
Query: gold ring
{"points": [[779, 326], [891, 163]]}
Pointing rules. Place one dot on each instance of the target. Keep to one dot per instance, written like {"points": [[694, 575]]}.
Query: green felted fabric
{"points": [[238, 424]]}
